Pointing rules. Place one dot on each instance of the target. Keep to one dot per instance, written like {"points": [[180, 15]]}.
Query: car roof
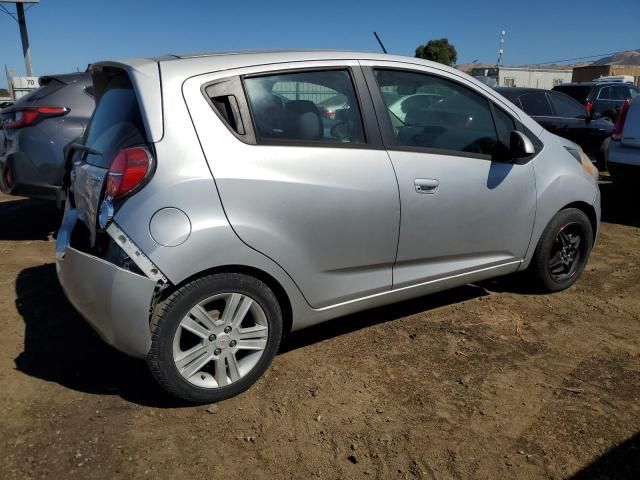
{"points": [[309, 54], [194, 63], [593, 84], [147, 72]]}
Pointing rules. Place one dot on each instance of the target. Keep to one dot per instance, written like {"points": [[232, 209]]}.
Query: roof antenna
{"points": [[380, 42]]}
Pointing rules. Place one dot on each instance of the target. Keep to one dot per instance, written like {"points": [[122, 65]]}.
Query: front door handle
{"points": [[426, 185]]}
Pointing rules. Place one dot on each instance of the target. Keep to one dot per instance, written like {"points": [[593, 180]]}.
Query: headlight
{"points": [[582, 158]]}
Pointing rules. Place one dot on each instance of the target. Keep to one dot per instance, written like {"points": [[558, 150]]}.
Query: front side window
{"points": [[566, 106], [314, 106], [431, 112], [536, 104]]}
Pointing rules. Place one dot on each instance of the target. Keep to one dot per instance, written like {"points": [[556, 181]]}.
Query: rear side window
{"points": [[432, 112], [614, 92], [536, 104], [314, 106], [620, 92], [116, 122], [566, 107]]}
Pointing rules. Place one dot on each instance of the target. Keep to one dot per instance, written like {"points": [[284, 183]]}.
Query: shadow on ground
{"points": [[26, 219], [388, 313], [619, 205], [61, 347], [621, 462]]}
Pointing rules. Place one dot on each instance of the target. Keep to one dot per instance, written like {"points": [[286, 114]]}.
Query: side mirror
{"points": [[520, 145]]}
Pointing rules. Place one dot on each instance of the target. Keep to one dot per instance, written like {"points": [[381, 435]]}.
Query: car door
{"points": [[310, 187], [576, 124], [463, 210]]}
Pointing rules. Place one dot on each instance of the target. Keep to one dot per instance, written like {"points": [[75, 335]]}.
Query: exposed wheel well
{"points": [[589, 211], [272, 283]]}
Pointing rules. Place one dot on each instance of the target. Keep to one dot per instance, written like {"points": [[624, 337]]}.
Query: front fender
{"points": [[560, 181]]}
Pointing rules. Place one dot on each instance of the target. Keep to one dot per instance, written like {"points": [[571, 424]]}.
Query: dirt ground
{"points": [[484, 381]]}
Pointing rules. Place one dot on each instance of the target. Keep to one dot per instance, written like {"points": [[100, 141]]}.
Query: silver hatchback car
{"points": [[214, 206]]}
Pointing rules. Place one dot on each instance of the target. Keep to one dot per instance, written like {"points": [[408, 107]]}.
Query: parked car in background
{"points": [[37, 128], [413, 103], [564, 116], [206, 218], [623, 156], [604, 98]]}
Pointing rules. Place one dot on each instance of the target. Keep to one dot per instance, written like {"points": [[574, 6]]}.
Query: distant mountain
{"points": [[623, 58]]}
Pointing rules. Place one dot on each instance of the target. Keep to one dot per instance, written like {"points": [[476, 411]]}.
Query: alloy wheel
{"points": [[567, 252], [220, 340]]}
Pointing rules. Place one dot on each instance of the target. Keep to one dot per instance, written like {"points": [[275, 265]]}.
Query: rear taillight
{"points": [[588, 106], [622, 116], [128, 169], [27, 116]]}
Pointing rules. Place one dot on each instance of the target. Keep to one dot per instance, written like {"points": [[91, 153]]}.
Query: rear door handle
{"points": [[426, 185]]}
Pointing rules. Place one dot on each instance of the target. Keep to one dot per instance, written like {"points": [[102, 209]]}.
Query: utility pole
{"points": [[22, 23], [24, 36]]}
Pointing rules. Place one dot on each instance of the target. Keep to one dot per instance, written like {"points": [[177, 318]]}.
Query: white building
{"points": [[530, 77]]}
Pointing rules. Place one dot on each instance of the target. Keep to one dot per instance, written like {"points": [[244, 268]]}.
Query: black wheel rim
{"points": [[567, 252]]}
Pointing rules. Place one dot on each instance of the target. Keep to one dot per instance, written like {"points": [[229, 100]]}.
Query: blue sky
{"points": [[69, 34]]}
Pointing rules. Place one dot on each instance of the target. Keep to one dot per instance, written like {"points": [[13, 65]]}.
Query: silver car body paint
{"points": [[114, 301], [325, 223]]}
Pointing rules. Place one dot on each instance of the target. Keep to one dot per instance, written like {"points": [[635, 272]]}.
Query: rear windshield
{"points": [[579, 92], [116, 122]]}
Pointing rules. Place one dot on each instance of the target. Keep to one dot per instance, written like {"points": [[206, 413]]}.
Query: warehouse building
{"points": [[593, 72], [530, 77]]}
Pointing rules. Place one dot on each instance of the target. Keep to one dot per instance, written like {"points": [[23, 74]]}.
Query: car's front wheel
{"points": [[214, 337], [562, 251]]}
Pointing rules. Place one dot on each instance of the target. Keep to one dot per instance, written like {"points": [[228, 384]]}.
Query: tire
{"points": [[571, 222], [178, 327]]}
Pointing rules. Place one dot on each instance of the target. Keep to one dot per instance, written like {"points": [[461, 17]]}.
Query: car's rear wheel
{"points": [[214, 337], [562, 251]]}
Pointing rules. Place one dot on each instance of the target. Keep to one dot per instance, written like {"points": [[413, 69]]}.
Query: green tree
{"points": [[440, 51]]}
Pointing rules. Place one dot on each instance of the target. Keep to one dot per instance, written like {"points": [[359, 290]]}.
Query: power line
{"points": [[12, 15], [581, 58]]}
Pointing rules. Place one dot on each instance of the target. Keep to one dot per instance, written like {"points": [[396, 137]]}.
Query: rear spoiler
{"points": [[65, 78]]}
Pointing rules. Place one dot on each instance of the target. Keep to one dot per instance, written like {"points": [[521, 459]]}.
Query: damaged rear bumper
{"points": [[116, 302]]}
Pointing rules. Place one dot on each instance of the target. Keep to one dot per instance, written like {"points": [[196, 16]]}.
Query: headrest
{"points": [[303, 120]]}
